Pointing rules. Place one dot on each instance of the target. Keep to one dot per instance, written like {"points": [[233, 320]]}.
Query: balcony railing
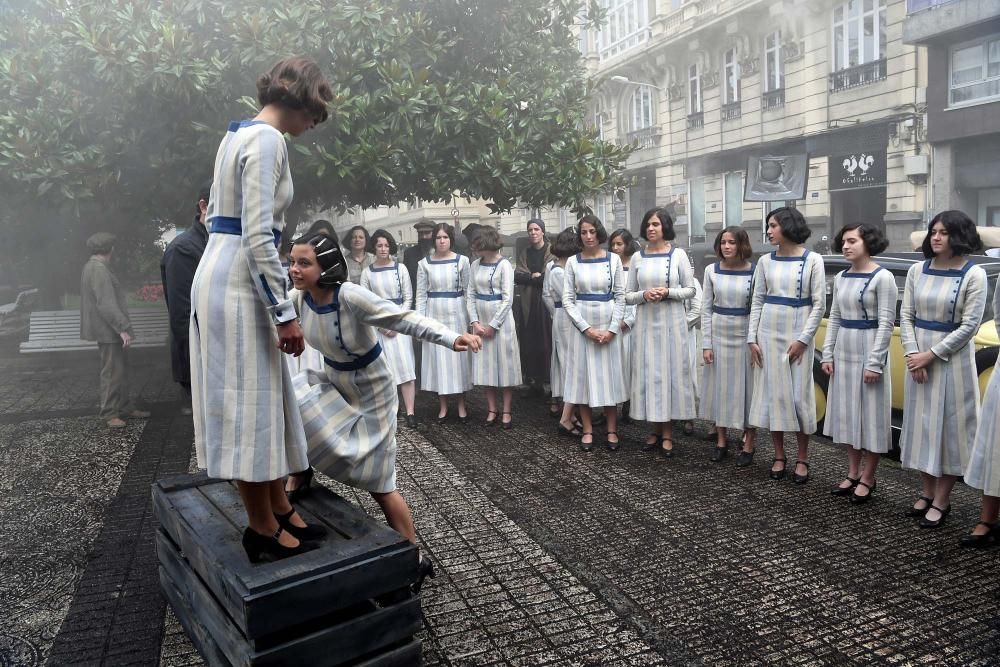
{"points": [[914, 6], [731, 111], [647, 137], [696, 121], [860, 75], [772, 99]]}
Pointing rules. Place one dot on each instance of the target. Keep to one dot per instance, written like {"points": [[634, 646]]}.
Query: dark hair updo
{"points": [[567, 243], [296, 83], [382, 234], [328, 256]]}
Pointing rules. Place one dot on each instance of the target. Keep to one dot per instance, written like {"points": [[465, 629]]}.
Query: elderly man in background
{"points": [[180, 261], [104, 318], [415, 253]]}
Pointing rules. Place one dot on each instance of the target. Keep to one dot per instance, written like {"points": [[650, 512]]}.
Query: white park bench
{"points": [[59, 330]]}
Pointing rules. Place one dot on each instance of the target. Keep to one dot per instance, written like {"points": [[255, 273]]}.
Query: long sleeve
{"points": [[633, 295], [886, 292], [106, 300], [547, 297], [406, 287], [833, 323], [422, 282], [907, 336], [471, 308], [569, 297], [757, 302], [506, 292], [694, 307], [972, 315], [707, 305], [686, 274], [630, 309], [381, 313], [618, 292], [262, 163], [817, 292], [366, 279]]}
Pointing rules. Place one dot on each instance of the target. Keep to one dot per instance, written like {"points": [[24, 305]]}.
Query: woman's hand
{"points": [[708, 356], [756, 358], [625, 328], [918, 360], [477, 329], [536, 275], [488, 331], [290, 340], [795, 351], [871, 377], [593, 334], [468, 343], [919, 376], [827, 367], [388, 333]]}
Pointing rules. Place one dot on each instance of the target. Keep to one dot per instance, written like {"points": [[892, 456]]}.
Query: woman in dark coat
{"points": [[536, 325]]}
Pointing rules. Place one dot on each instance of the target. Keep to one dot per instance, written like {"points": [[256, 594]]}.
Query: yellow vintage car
{"points": [[986, 341]]}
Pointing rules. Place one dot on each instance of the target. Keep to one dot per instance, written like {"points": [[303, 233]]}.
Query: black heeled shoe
{"points": [[424, 570], [652, 446], [569, 432], [920, 511], [796, 477], [463, 420], [309, 533], [613, 446], [411, 421], [845, 490], [934, 523], [506, 425], [778, 474], [304, 487], [265, 549], [861, 500], [587, 446], [667, 452], [442, 418], [973, 541], [744, 458], [719, 454], [490, 422]]}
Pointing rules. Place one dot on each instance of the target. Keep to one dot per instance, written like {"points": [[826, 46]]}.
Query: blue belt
{"points": [[362, 361], [557, 304], [398, 302], [859, 324], [935, 326], [740, 312], [787, 301], [225, 225], [595, 297], [489, 297], [445, 295]]}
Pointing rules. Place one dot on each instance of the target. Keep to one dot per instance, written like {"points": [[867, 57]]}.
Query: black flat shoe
{"points": [[861, 500], [845, 490], [506, 425], [424, 570], [929, 523], [657, 442], [309, 533], [265, 549], [411, 421], [778, 474], [797, 478], [442, 419], [920, 511], [613, 446], [688, 428], [569, 432], [973, 541], [490, 422], [744, 458], [719, 454], [304, 487], [668, 453], [587, 446]]}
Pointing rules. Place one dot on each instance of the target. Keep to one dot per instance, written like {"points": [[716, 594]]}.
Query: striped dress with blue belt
{"points": [[393, 284], [488, 301], [941, 312], [625, 337], [983, 471], [562, 328], [441, 285]]}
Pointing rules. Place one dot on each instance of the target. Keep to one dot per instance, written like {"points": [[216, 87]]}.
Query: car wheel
{"points": [[986, 359], [821, 384]]}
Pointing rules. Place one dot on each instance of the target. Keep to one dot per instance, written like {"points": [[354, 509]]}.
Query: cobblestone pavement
{"points": [[546, 555]]}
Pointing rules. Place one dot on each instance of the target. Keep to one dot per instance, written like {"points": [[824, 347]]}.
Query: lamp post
{"points": [[618, 78]]}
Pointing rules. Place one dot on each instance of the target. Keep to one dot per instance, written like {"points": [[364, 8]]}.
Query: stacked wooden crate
{"points": [[317, 609]]}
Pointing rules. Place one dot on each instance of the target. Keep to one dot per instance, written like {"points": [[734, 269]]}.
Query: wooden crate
{"points": [[313, 609]]}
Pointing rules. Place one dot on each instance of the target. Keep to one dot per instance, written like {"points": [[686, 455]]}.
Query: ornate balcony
{"points": [[860, 75], [647, 137], [731, 111], [696, 121], [772, 99]]}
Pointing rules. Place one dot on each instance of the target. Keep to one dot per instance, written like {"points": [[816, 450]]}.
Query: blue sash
{"points": [[935, 326], [362, 361], [445, 295], [221, 224], [595, 297], [787, 301], [738, 312], [859, 324], [489, 297]]}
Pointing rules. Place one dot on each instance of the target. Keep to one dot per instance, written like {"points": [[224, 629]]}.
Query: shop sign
{"points": [[857, 170]]}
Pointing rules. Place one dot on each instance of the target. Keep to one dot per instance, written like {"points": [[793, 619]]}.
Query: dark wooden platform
{"points": [[314, 609]]}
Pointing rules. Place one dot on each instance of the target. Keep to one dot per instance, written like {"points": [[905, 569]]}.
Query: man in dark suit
{"points": [[425, 243]]}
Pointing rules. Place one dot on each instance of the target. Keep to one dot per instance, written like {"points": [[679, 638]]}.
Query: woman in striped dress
{"points": [[246, 424], [349, 408], [855, 356], [442, 279], [622, 244], [565, 246], [660, 281], [725, 315], [983, 471], [943, 304], [789, 297], [692, 312], [594, 301], [488, 301], [390, 280]]}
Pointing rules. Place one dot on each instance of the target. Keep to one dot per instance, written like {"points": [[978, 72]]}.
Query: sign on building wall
{"points": [[776, 177], [857, 170]]}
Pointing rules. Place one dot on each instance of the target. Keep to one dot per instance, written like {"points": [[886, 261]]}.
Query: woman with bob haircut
{"points": [[725, 318], [349, 408], [855, 356], [593, 299], [565, 246], [442, 279], [943, 303], [246, 423], [789, 297], [660, 281], [625, 246], [388, 279], [359, 255], [488, 300]]}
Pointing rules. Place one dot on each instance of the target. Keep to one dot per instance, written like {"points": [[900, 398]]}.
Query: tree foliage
{"points": [[116, 107]]}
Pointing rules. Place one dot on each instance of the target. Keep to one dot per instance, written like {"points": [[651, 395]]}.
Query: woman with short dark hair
{"points": [[943, 304], [622, 244], [789, 298], [358, 255], [855, 356], [564, 247]]}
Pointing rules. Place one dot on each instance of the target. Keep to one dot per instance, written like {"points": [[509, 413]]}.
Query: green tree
{"points": [[116, 108]]}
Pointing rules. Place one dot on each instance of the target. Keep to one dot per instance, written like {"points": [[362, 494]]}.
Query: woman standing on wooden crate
{"points": [[390, 280], [622, 244], [349, 408], [442, 278], [943, 304], [247, 425], [594, 300], [789, 297], [660, 281], [855, 356], [565, 246], [488, 301], [725, 316]]}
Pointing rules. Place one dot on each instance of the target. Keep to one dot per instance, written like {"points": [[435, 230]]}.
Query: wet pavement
{"points": [[545, 554]]}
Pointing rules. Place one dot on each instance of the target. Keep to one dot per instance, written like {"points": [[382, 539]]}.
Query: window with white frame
{"points": [[733, 201], [858, 33], [730, 77], [640, 109], [975, 71], [774, 76], [599, 120], [602, 210], [694, 89], [627, 26], [696, 208]]}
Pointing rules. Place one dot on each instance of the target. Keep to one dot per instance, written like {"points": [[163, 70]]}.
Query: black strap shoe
{"points": [[744, 458], [987, 539], [857, 499], [845, 490], [796, 477], [265, 549], [312, 533], [934, 523], [304, 487], [778, 474], [719, 454]]}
